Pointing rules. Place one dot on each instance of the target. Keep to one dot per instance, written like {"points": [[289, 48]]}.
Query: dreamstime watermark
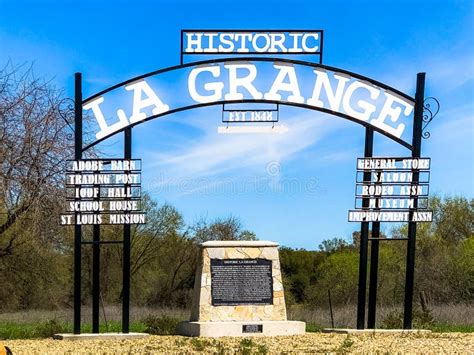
{"points": [[271, 182], [273, 168]]}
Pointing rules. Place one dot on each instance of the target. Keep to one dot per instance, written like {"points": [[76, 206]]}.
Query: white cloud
{"points": [[215, 154]]}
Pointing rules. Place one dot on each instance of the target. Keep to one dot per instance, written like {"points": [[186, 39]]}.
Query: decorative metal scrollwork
{"points": [[66, 112], [430, 110]]}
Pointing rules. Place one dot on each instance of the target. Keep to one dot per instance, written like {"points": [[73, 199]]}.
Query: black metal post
{"points": [[126, 248], [77, 227], [416, 153], [364, 236], [330, 309], [95, 278], [374, 265]]}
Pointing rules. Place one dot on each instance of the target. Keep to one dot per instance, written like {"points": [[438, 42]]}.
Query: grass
{"points": [[44, 323], [345, 346], [446, 318], [313, 327], [200, 344], [162, 321], [247, 346], [161, 325], [9, 330], [447, 328], [113, 313]]}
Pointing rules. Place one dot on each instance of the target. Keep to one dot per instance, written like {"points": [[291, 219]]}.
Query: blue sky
{"points": [[293, 188]]}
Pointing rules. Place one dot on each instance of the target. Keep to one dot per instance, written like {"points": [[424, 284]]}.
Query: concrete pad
{"points": [[241, 329], [100, 336], [375, 331]]}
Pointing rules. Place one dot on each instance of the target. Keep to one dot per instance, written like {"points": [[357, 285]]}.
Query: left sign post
{"points": [[77, 227], [99, 191]]}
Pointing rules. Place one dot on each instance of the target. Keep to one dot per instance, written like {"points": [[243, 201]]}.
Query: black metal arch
{"points": [[221, 102]]}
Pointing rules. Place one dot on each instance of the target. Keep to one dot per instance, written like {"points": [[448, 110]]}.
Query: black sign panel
{"points": [[103, 191], [249, 116], [252, 328], [392, 189], [251, 42], [241, 282]]}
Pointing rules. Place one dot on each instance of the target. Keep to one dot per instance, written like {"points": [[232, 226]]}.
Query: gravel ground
{"points": [[435, 343]]}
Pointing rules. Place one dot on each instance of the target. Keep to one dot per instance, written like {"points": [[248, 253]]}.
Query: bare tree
{"points": [[147, 239], [35, 143]]}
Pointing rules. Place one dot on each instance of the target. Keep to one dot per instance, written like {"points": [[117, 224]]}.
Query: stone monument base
{"points": [[241, 329]]}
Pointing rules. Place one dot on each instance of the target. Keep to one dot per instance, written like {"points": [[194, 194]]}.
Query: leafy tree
{"points": [[229, 228], [338, 273], [161, 222], [356, 237], [461, 271], [330, 246], [453, 218], [299, 269], [440, 271]]}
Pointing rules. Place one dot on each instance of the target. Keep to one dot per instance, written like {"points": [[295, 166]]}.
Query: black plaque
{"points": [[252, 328], [241, 282]]}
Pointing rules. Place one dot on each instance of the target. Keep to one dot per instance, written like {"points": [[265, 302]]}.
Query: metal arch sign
{"points": [[252, 80], [245, 77]]}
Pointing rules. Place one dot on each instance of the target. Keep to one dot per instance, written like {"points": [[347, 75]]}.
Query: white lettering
{"points": [[279, 85], [228, 42], [245, 82], [367, 107], [127, 218], [215, 87], [394, 114], [105, 130], [210, 48], [295, 48], [123, 206], [265, 47], [243, 38], [304, 43], [139, 103], [194, 42], [334, 98], [280, 42]]}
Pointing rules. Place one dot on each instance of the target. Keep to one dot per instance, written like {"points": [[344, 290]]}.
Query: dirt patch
{"points": [[308, 343]]}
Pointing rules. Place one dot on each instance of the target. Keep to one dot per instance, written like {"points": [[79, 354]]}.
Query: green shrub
{"points": [[246, 345], [49, 328], [313, 327], [421, 319], [221, 349], [200, 344], [345, 346], [262, 349], [161, 325]]}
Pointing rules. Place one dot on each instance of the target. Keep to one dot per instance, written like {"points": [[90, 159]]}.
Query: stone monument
{"points": [[238, 291]]}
